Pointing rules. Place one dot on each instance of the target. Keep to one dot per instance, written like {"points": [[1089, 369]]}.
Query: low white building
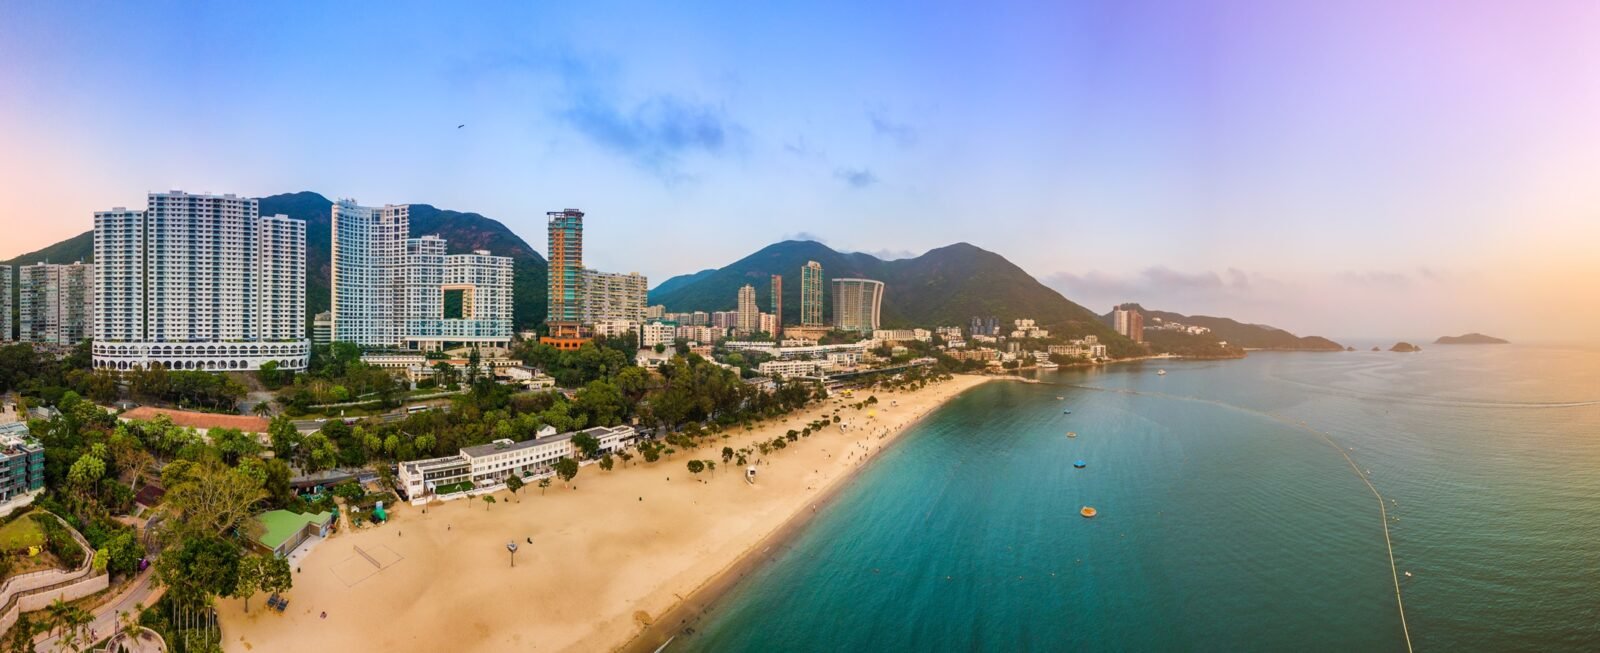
{"points": [[789, 368], [614, 328], [488, 465], [528, 377], [657, 333]]}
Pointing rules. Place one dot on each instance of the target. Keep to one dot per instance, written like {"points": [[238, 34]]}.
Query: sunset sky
{"points": [[1351, 169]]}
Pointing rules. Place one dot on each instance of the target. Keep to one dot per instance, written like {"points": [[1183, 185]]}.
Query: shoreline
{"points": [[607, 567], [698, 603]]}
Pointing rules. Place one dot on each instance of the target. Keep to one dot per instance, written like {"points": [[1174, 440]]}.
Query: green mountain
{"points": [[71, 250], [946, 286], [1240, 334]]}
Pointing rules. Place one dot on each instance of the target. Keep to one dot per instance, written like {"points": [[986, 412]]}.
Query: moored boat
{"points": [[1088, 511]]}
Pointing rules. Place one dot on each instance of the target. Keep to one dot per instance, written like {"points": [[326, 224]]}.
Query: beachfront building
{"points": [[857, 304], [811, 294], [612, 296], [488, 465], [565, 264], [199, 282], [791, 368], [5, 303], [1129, 322], [391, 291], [282, 530], [55, 303]]}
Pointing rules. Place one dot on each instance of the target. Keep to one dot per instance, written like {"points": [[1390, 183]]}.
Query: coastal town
{"points": [[134, 400]]}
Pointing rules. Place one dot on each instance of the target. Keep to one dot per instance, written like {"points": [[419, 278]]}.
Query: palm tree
{"points": [[262, 409]]}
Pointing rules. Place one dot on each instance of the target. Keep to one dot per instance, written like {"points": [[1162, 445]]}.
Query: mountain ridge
{"points": [[1241, 334]]}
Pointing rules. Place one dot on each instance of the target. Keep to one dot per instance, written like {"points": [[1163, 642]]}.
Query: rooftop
{"points": [[279, 525]]}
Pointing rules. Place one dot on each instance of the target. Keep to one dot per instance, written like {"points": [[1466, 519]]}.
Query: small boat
{"points": [[1088, 512], [1060, 398], [1072, 434], [1066, 412], [1408, 574], [1080, 464], [1047, 365], [1161, 372]]}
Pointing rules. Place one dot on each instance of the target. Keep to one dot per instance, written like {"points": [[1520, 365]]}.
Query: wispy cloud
{"points": [[857, 178], [655, 130], [893, 254], [902, 134], [655, 133], [804, 235], [1164, 288]]}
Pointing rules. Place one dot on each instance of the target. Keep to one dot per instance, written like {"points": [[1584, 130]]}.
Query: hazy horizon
{"points": [[1348, 171]]}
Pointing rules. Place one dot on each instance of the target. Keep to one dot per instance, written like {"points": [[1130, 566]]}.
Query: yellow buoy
{"points": [[1088, 511]]}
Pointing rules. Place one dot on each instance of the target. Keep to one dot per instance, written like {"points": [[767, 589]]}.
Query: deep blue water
{"points": [[1223, 524]]}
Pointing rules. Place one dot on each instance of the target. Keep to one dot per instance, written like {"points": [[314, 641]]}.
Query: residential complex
{"points": [[985, 326], [391, 291], [5, 303], [857, 304], [1129, 322], [322, 328], [55, 303], [21, 463], [811, 294], [611, 296], [748, 319], [487, 466], [199, 282], [777, 307], [565, 256]]}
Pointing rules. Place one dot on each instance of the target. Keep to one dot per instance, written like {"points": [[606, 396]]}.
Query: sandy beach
{"points": [[610, 556]]}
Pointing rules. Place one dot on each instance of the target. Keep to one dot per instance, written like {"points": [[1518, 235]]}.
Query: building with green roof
{"points": [[282, 531]]}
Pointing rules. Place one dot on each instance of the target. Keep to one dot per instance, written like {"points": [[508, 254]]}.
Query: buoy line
{"points": [[1383, 511]]}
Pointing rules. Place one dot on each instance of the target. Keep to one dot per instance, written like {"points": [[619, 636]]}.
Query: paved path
{"points": [[106, 620]]}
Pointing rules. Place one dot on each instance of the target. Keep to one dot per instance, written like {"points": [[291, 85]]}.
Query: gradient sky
{"points": [[1383, 169]]}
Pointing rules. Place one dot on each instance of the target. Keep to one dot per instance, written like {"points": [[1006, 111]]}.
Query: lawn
{"points": [[453, 488], [21, 533]]}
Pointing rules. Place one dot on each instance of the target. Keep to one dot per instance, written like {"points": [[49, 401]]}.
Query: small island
{"points": [[1405, 347], [1471, 339]]}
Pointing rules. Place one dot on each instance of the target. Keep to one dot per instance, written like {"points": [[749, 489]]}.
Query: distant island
{"points": [[1404, 347], [1471, 339]]}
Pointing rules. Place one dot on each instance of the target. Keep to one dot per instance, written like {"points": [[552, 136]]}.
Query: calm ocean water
{"points": [[1223, 525]]}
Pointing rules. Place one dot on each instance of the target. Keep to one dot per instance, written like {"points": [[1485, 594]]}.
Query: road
{"points": [[310, 425], [105, 617]]}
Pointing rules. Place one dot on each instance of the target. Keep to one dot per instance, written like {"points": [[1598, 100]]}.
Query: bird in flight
{"points": [[461, 125]]}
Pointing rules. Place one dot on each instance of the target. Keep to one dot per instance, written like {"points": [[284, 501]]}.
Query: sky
{"points": [[1350, 169]]}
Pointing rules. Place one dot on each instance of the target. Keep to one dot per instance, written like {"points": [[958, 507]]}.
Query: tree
{"points": [[275, 576], [543, 483], [262, 409], [660, 348], [606, 462], [514, 483], [587, 445], [488, 501], [696, 466], [85, 473], [248, 579], [567, 469], [727, 454], [21, 640], [201, 568], [212, 499]]}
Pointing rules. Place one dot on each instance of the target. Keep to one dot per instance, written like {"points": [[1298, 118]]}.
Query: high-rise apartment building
{"points": [[398, 292], [1129, 322], [811, 294], [55, 303], [565, 255], [5, 303], [199, 282], [369, 275], [777, 307], [857, 304], [749, 315], [612, 296]]}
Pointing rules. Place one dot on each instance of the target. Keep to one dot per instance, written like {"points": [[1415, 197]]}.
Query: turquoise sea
{"points": [[1224, 524]]}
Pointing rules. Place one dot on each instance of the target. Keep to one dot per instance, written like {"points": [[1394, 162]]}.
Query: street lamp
{"points": [[512, 547]]}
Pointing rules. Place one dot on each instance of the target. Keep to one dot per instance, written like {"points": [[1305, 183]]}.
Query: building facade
{"points": [[391, 291], [199, 282], [811, 294], [368, 274], [565, 255], [322, 328], [488, 465], [777, 307], [21, 462], [55, 303], [657, 333], [606, 296], [5, 303], [748, 319], [1129, 322], [857, 304]]}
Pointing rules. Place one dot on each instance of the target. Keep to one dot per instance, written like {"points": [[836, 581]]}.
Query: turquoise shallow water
{"points": [[1223, 525]]}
